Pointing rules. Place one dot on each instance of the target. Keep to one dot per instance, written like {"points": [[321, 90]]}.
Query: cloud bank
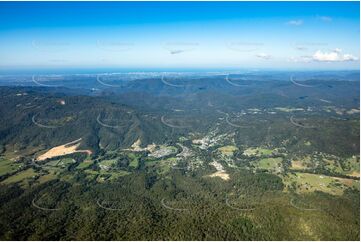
{"points": [[333, 56]]}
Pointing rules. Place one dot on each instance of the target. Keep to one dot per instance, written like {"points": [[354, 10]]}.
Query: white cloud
{"points": [[297, 22], [264, 56], [333, 56]]}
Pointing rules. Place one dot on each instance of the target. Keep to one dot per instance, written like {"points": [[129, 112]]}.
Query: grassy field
{"points": [[352, 166], [228, 150], [257, 152], [108, 163], [303, 163], [44, 178], [162, 166], [306, 182], [85, 164], [268, 163], [333, 165], [20, 177], [134, 160], [8, 166], [107, 175], [60, 162]]}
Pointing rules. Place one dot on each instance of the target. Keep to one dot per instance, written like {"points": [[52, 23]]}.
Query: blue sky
{"points": [[219, 35]]}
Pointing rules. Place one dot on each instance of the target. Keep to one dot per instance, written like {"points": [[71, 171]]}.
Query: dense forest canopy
{"points": [[198, 157]]}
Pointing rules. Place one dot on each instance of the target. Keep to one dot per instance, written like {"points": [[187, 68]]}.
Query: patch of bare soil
{"points": [[66, 149]]}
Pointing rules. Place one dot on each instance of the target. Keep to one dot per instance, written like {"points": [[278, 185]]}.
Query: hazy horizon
{"points": [[179, 35]]}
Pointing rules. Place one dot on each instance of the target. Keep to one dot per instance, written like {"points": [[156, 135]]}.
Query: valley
{"points": [[210, 157]]}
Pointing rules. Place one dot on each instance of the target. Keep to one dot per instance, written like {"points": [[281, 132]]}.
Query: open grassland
{"points": [[306, 182], [103, 175], [301, 163], [84, 164], [21, 177], [134, 160], [228, 150], [48, 177], [352, 166], [258, 151], [107, 164], [270, 164], [8, 166]]}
